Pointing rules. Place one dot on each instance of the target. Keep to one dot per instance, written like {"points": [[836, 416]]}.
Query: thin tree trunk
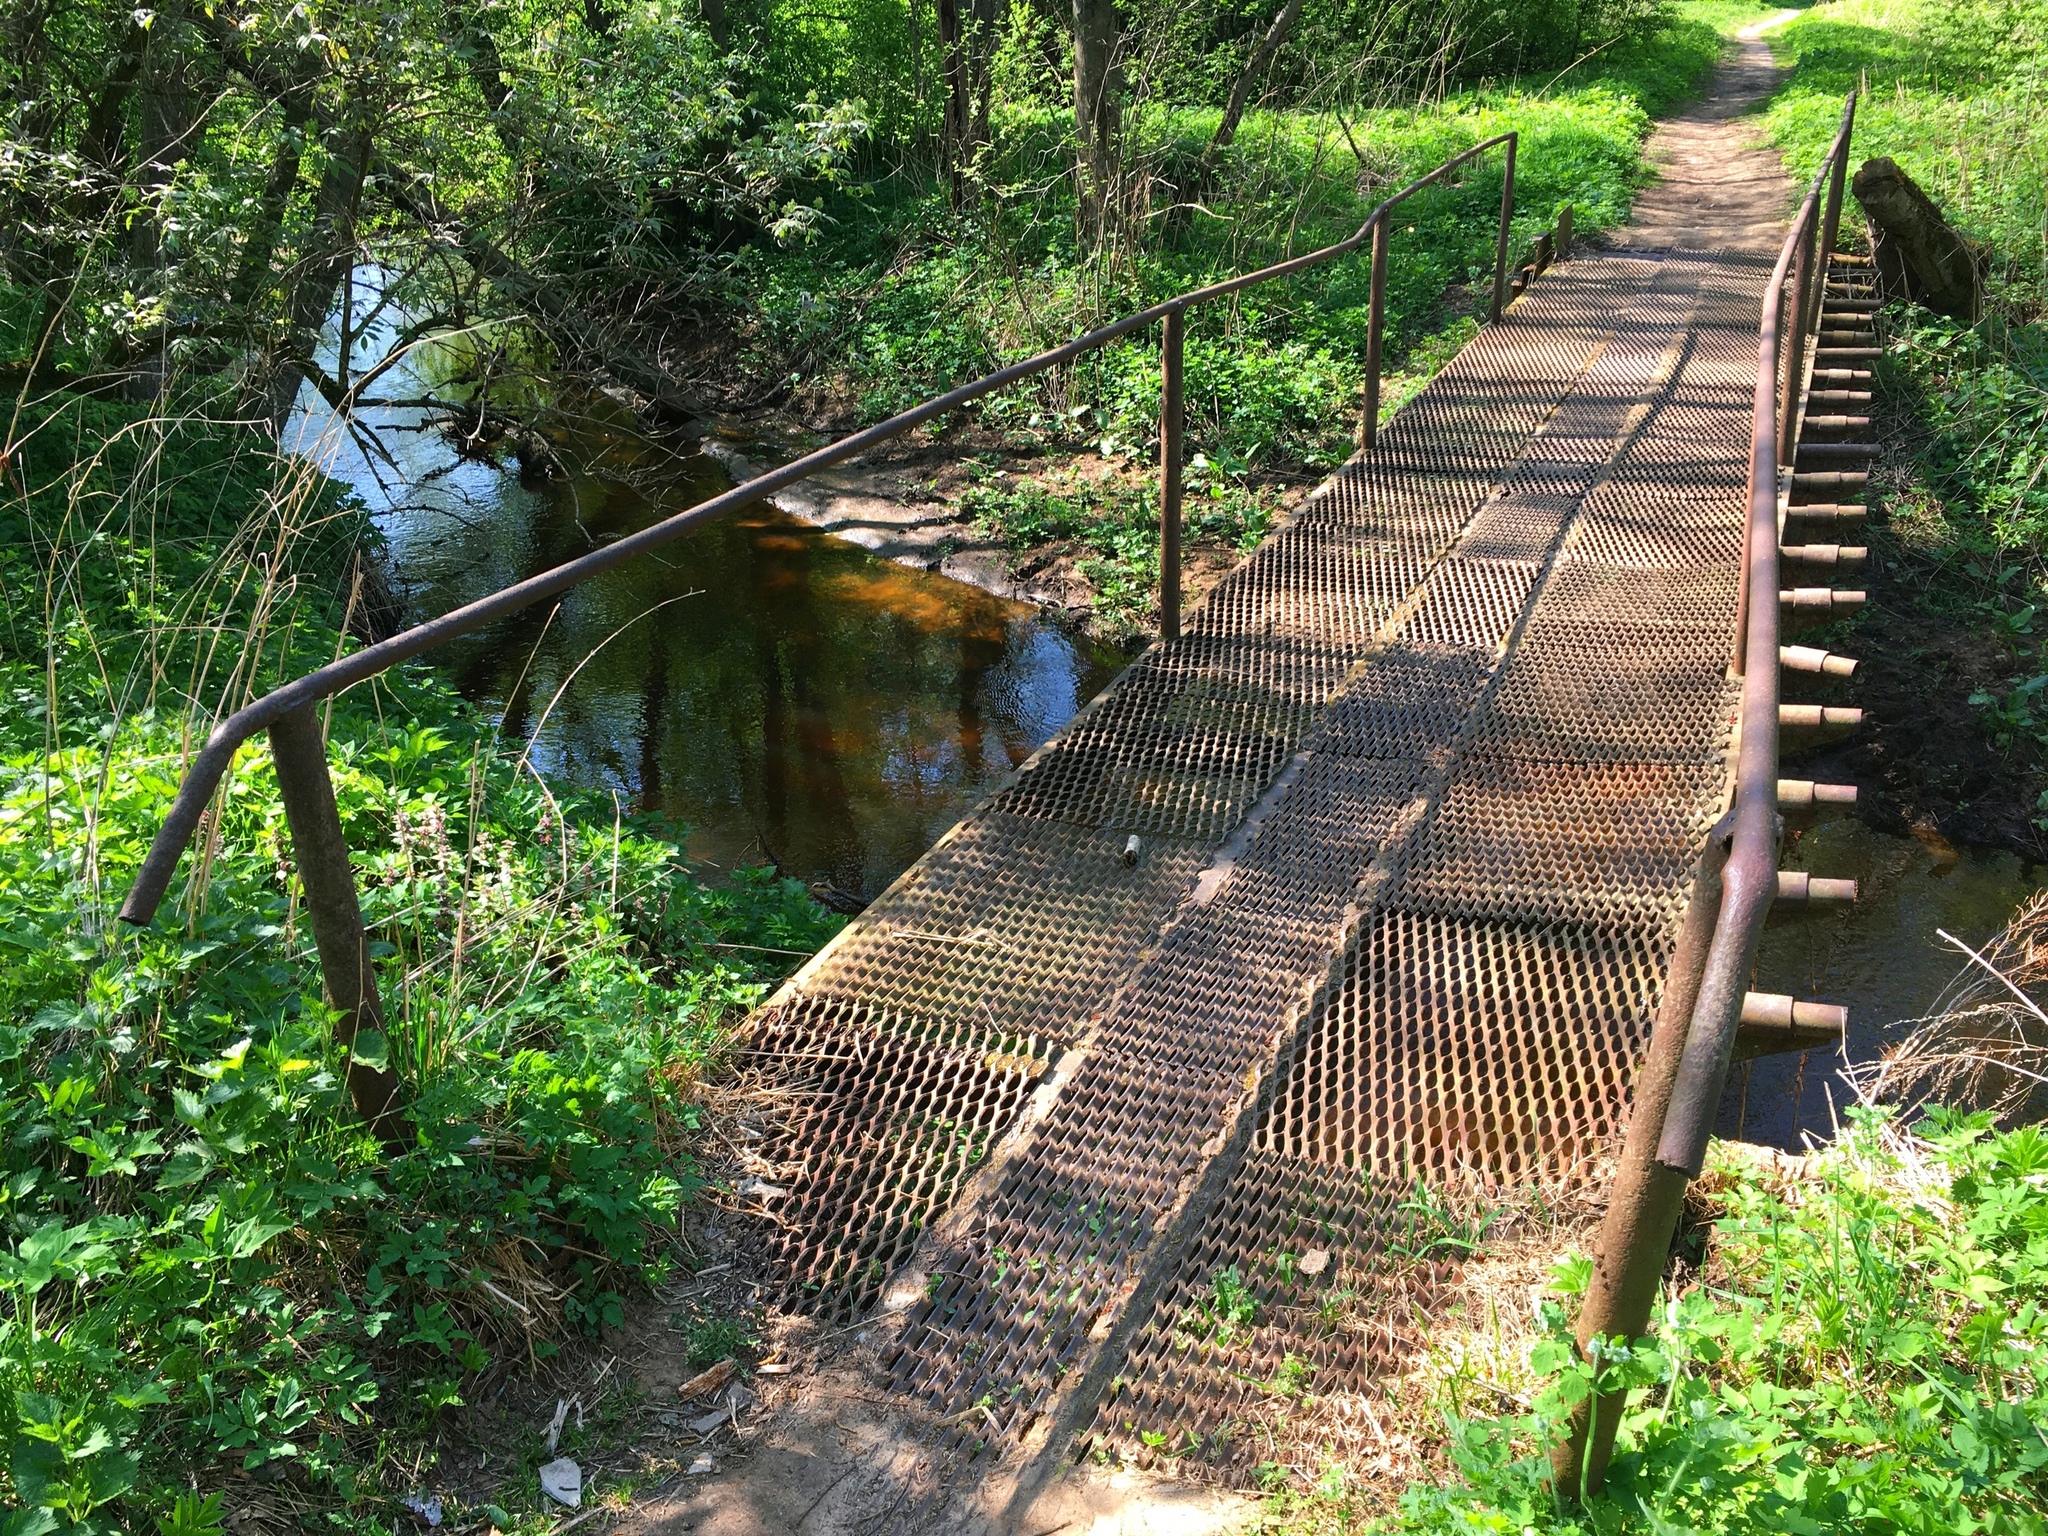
{"points": [[1254, 67], [487, 69], [99, 146], [982, 22], [172, 122], [1097, 86], [954, 149], [330, 253], [254, 267]]}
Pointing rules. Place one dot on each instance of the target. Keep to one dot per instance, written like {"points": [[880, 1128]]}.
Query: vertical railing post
{"points": [[1645, 1198], [1564, 232], [1500, 244], [1375, 329], [1172, 336], [299, 748]]}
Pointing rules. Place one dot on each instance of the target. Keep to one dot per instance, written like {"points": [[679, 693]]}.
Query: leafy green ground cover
{"points": [[208, 1268], [1865, 1350]]}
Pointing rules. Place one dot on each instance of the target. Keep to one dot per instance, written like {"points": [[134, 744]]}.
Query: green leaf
{"points": [[371, 1049], [187, 1165], [251, 1233]]}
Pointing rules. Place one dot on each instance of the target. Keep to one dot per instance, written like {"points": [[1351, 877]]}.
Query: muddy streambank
{"points": [[903, 503]]}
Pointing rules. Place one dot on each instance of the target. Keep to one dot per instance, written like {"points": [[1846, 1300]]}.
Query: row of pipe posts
{"points": [[1678, 1087]]}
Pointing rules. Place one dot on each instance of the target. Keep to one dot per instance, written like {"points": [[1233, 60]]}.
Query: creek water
{"points": [[1882, 957], [785, 696]]}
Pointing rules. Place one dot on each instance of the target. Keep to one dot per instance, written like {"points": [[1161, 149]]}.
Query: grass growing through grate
{"points": [[1864, 1348]]}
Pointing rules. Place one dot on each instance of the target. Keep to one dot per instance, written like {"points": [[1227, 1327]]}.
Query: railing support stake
{"points": [[299, 748], [1500, 244], [1172, 337], [1642, 1211]]}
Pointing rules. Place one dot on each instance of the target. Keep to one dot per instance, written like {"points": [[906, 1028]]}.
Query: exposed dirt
{"points": [[1720, 187]]}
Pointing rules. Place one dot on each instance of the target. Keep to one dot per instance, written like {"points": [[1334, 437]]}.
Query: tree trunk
{"points": [[1918, 254], [487, 71], [712, 12], [955, 150], [1098, 85], [99, 146], [172, 120], [254, 266], [330, 252], [1254, 67], [984, 19], [967, 44]]}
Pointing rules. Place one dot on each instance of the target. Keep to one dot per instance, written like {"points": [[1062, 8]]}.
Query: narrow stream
{"points": [[784, 695]]}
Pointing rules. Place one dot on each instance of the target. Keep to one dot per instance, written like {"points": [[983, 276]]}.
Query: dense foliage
{"points": [[187, 190], [207, 1262]]}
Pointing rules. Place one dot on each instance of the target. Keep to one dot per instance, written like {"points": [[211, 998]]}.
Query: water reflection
{"points": [[1880, 956], [785, 695]]}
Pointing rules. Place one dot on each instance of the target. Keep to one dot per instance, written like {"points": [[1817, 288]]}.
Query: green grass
{"points": [[206, 1264], [1866, 1351]]}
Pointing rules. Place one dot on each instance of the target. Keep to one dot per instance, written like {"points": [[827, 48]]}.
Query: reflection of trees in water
{"points": [[791, 671], [807, 699]]}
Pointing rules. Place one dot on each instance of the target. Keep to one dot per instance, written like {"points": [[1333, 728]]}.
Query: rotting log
{"points": [[1919, 255]]}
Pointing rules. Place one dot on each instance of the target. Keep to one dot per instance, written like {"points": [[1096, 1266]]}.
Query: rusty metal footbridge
{"points": [[1432, 841]]}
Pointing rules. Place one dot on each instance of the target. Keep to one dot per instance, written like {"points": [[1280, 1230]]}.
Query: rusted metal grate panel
{"points": [[1595, 842], [892, 1116], [1013, 923], [1612, 693]]}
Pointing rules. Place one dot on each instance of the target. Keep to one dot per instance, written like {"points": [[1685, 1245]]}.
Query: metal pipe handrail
{"points": [[210, 765], [1749, 884]]}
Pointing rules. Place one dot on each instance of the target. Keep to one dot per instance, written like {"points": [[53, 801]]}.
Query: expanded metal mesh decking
{"points": [[1488, 1013], [1415, 800]]}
